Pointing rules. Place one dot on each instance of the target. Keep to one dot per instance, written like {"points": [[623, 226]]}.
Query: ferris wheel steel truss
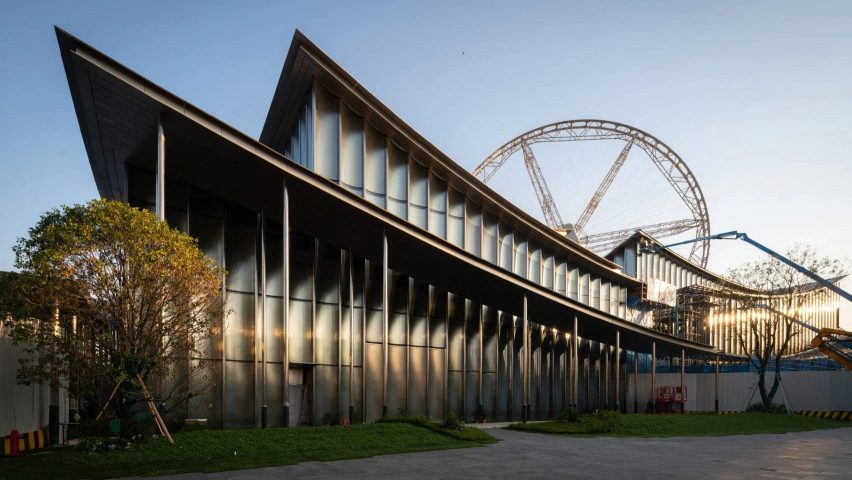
{"points": [[667, 161]]}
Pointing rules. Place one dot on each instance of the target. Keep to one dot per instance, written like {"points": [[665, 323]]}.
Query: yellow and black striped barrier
{"points": [[720, 412], [28, 441], [827, 414]]}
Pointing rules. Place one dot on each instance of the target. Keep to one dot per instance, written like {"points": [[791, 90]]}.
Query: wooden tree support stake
{"points": [[157, 418], [103, 409]]}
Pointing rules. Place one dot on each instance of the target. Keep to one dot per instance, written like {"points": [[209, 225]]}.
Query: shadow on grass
{"points": [[221, 450]]}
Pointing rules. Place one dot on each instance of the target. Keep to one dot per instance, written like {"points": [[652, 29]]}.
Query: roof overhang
{"points": [[119, 111], [305, 60]]}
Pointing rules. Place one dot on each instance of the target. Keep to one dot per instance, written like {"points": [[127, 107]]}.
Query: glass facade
{"points": [[317, 333]]}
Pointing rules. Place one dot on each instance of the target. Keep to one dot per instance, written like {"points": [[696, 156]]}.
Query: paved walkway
{"points": [[806, 455]]}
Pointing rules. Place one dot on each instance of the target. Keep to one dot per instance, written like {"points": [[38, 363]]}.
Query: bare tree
{"points": [[767, 332]]}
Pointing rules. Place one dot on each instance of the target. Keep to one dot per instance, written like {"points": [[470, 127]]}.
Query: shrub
{"points": [[571, 416], [772, 408], [606, 421], [453, 422]]}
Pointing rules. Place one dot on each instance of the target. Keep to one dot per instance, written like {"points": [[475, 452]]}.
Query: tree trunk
{"points": [[764, 395]]}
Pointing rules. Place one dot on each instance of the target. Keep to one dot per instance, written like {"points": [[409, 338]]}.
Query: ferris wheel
{"points": [[686, 208]]}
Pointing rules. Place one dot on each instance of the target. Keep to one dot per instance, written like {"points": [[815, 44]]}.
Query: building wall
{"points": [[23, 407], [717, 325], [331, 139], [806, 390], [444, 352]]}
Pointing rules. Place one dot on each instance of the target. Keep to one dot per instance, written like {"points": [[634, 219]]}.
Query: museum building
{"points": [[368, 273]]}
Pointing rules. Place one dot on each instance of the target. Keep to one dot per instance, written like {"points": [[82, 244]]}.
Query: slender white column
{"points": [[385, 313], [285, 359], [653, 377], [160, 200], [617, 371]]}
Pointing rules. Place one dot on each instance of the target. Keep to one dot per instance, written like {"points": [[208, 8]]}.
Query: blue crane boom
{"points": [[735, 235]]}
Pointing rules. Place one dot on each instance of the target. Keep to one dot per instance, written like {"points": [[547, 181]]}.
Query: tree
{"points": [[111, 294], [766, 333]]}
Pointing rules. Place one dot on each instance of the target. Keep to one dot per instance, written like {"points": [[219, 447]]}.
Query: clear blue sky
{"points": [[755, 96]]}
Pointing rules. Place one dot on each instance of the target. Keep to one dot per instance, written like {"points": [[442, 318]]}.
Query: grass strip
{"points": [[220, 450], [641, 425]]}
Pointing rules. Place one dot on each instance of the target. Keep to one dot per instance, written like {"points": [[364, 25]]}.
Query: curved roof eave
{"points": [[272, 124]]}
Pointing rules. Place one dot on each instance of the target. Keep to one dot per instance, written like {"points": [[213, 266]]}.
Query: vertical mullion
{"points": [[341, 276], [285, 360], [351, 337], [385, 315]]}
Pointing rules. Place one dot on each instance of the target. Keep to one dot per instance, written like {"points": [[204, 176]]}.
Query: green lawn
{"points": [[218, 450], [689, 425]]}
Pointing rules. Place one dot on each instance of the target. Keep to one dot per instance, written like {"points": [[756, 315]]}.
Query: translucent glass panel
{"points": [[239, 326], [489, 354], [417, 365], [274, 376], [417, 319], [300, 322], [535, 263], [240, 256], [240, 323], [301, 140], [375, 167], [327, 138], [507, 247], [437, 374], [375, 322], [456, 334], [438, 320], [596, 292], [630, 261], [239, 394], [274, 318], [473, 229], [397, 182], [398, 319], [490, 244], [472, 336], [209, 232], [584, 288], [397, 373], [437, 206], [604, 305], [547, 280], [418, 195], [521, 260], [373, 382], [274, 265], [561, 276], [455, 219], [574, 283], [326, 334], [352, 151], [517, 361], [613, 299], [326, 406]]}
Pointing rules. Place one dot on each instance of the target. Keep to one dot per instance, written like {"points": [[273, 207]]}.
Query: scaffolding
{"points": [[687, 318]]}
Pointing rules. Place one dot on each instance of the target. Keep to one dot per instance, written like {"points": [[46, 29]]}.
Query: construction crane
{"points": [[834, 343], [831, 342], [735, 235]]}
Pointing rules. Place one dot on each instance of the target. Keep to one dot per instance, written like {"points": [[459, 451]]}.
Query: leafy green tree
{"points": [[766, 333], [106, 293]]}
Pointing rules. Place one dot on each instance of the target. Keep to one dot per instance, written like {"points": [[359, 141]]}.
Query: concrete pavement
{"points": [[805, 455]]}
